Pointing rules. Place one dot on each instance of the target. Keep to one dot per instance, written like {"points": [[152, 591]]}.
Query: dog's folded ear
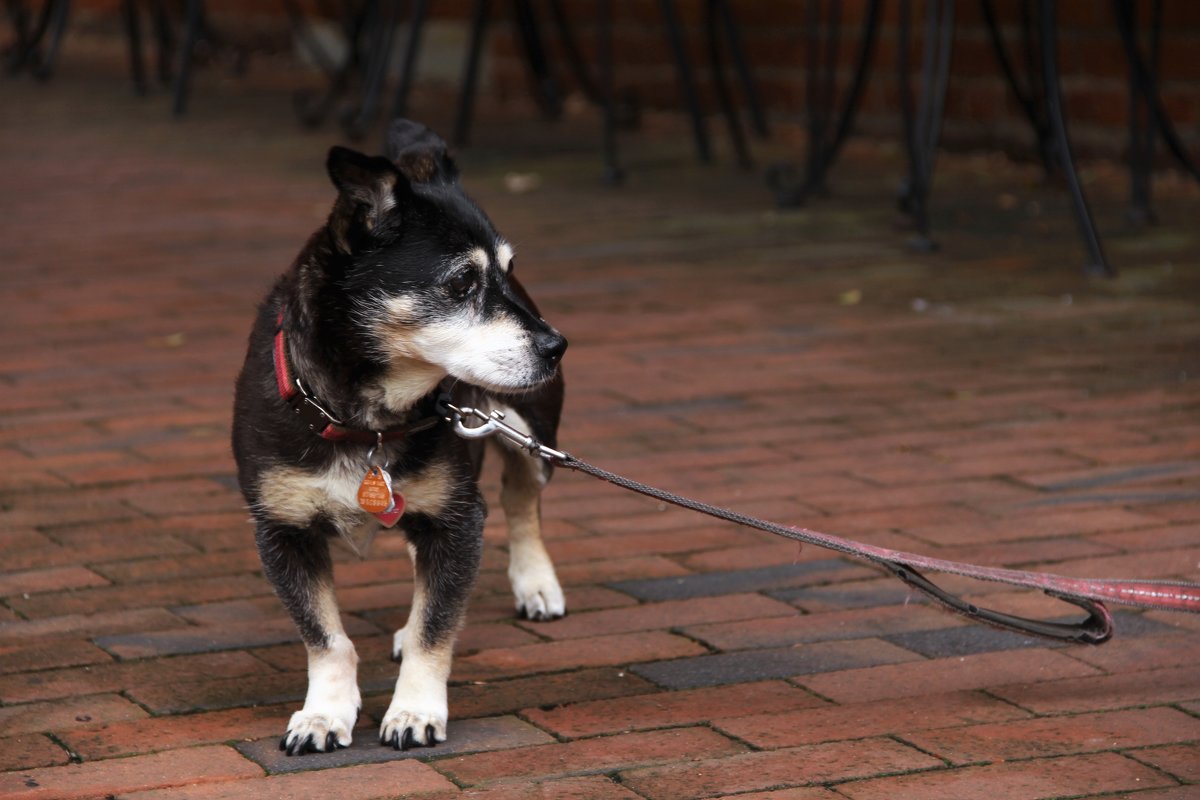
{"points": [[419, 153], [368, 188]]}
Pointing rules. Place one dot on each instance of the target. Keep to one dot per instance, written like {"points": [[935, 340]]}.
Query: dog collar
{"points": [[313, 414]]}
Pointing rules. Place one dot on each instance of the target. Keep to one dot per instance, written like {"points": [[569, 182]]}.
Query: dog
{"points": [[405, 293]]}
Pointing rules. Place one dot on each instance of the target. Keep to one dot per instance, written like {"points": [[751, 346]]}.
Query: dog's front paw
{"points": [[404, 729], [537, 592], [318, 731]]}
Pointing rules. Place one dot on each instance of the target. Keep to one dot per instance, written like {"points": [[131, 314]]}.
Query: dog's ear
{"points": [[419, 153], [368, 190]]}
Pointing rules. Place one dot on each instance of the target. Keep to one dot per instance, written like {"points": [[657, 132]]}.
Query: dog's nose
{"points": [[550, 346]]}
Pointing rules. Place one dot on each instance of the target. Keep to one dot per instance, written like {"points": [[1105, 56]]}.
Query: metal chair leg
{"points": [[1048, 23], [408, 68], [133, 36], [545, 88], [820, 85], [52, 25], [466, 96], [922, 125], [737, 54], [27, 48], [579, 70], [312, 107], [687, 84], [1141, 117], [383, 24], [1025, 97], [1146, 79], [193, 22], [736, 136], [613, 174], [823, 148]]}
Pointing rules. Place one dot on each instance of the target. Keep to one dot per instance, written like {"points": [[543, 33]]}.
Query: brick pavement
{"points": [[981, 403]]}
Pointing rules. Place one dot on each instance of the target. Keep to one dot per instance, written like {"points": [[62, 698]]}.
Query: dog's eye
{"points": [[462, 283]]}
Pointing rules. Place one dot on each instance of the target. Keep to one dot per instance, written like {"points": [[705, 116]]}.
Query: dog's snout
{"points": [[550, 345]]}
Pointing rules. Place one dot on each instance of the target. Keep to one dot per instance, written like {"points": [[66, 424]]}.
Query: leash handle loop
{"points": [[1096, 629]]}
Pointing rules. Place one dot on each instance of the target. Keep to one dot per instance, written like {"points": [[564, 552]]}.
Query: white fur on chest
{"points": [[296, 496]]}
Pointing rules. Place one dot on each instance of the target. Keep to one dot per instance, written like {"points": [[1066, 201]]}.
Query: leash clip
{"points": [[494, 423], [310, 412]]}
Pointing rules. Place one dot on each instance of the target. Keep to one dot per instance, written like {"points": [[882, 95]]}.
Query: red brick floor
{"points": [[984, 403]]}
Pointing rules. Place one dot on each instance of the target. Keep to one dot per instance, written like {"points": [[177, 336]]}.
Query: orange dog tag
{"points": [[375, 491]]}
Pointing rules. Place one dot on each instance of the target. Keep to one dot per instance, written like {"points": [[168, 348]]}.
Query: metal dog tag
{"points": [[375, 491]]}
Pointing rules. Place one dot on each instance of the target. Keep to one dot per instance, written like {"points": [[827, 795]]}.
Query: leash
{"points": [[1086, 593]]}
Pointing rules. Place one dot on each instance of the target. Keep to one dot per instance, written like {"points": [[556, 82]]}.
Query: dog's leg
{"points": [[534, 584], [297, 563], [445, 563]]}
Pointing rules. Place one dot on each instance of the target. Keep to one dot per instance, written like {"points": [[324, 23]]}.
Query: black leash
{"points": [[1088, 594]]}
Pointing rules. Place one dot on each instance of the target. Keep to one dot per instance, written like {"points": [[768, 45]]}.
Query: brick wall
{"points": [[980, 110]]}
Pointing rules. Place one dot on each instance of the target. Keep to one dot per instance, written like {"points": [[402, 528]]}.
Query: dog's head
{"points": [[428, 280]]}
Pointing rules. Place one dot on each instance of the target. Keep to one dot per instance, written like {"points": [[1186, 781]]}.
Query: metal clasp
{"points": [[494, 423]]}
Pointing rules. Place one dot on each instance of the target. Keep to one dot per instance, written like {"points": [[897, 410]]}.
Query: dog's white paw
{"points": [[319, 731], [536, 589], [405, 726]]}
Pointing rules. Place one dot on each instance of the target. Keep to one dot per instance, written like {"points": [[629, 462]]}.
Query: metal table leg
{"points": [[381, 23], [408, 67], [613, 174], [480, 12], [36, 47], [724, 99], [737, 54], [1031, 97], [1096, 264], [193, 23], [312, 108], [825, 139], [923, 124], [687, 84], [1143, 74]]}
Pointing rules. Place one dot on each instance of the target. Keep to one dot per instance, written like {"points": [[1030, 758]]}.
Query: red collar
{"points": [[314, 415]]}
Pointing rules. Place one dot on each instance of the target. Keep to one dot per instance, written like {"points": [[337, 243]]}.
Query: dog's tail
{"points": [[419, 153]]}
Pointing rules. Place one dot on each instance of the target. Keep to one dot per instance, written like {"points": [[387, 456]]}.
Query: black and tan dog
{"points": [[405, 292]]}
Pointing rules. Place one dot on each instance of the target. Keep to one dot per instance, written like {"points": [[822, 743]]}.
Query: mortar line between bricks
{"points": [[558, 737], [712, 651], [795, 681], [125, 693], [72, 756], [49, 528], [897, 774], [1158, 769], [733, 736], [618, 780], [1012, 703], [1180, 707], [531, 629], [895, 737]]}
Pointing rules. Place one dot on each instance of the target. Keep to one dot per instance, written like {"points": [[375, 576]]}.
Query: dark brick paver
{"points": [[982, 403]]}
